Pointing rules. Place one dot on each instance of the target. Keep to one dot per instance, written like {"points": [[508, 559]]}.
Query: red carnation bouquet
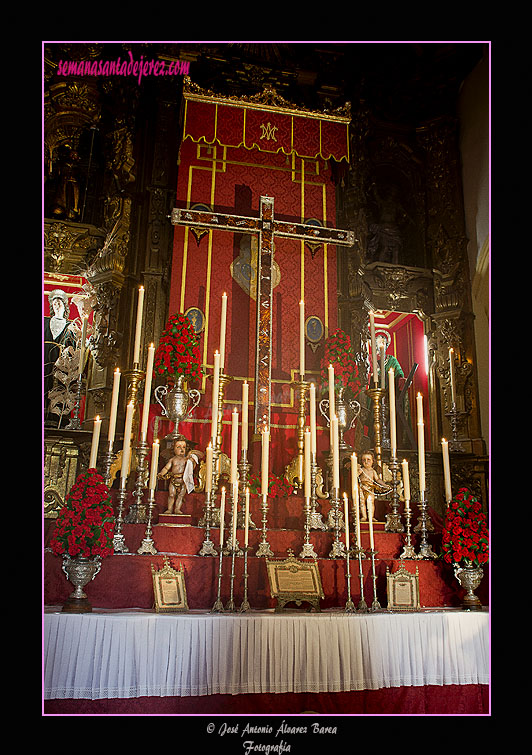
{"points": [[278, 487], [339, 352], [465, 539], [178, 352], [85, 524]]}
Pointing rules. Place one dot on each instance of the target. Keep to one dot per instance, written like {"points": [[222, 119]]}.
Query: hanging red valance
{"points": [[267, 128]]}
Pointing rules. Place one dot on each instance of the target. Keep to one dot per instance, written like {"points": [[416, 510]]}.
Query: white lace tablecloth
{"points": [[135, 653]]}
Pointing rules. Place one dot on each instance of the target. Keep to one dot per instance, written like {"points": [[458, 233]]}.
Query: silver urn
{"points": [[177, 403]]}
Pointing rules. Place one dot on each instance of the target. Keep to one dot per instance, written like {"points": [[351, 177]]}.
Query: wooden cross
{"points": [[267, 228]]}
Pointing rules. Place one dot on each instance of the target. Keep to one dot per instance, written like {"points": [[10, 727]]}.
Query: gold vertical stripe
{"points": [[209, 269], [185, 246], [302, 285], [325, 271]]}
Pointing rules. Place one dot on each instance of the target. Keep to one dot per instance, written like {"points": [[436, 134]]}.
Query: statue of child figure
{"points": [[180, 471], [368, 481]]}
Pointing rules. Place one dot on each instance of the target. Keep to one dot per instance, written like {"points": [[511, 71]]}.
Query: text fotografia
{"points": [[119, 67]]}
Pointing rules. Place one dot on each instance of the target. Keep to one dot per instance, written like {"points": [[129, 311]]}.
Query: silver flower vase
{"points": [[80, 571], [470, 578], [347, 411], [177, 403]]}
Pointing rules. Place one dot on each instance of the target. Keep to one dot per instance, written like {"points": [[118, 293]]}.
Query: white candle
{"points": [[154, 468], [82, 345], [332, 408], [451, 370], [234, 445], [391, 393], [406, 484], [302, 339], [114, 406], [223, 321], [354, 474], [246, 520], [140, 307], [147, 393], [245, 411], [215, 391], [126, 448], [373, 346], [222, 515], [312, 410], [382, 366], [346, 516], [370, 522], [421, 443], [208, 468], [95, 440], [446, 470], [307, 450], [357, 514], [335, 454], [265, 461]]}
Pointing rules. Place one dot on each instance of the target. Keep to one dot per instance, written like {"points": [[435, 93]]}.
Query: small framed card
{"points": [[293, 580], [403, 589], [169, 591]]}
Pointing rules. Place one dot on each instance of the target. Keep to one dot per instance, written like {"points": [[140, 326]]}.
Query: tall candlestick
{"points": [[235, 511], [126, 448], [234, 446], [215, 390], [446, 470], [307, 450], [140, 307], [302, 339], [114, 406], [154, 468], [335, 453], [265, 461], [246, 520], [312, 411], [421, 443], [208, 468], [346, 517], [373, 346], [245, 403], [147, 393], [95, 440], [222, 516], [451, 371], [82, 344], [406, 484], [223, 321], [391, 393]]}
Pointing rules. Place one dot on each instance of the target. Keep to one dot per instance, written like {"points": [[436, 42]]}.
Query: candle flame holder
{"points": [[218, 605], [393, 518], [425, 550], [264, 547], [244, 606], [335, 522], [294, 471], [408, 549], [375, 606], [119, 543], [376, 395], [316, 480], [137, 513], [308, 549], [148, 545]]}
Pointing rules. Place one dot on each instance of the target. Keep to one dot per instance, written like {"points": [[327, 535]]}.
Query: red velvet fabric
{"points": [[125, 581], [455, 700]]}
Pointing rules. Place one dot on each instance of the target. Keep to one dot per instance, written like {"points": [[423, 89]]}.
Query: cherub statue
{"points": [[368, 481], [180, 472]]}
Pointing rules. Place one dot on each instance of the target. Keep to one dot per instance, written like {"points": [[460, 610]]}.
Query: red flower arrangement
{"points": [[339, 352], [85, 524], [465, 532], [278, 487], [178, 353]]}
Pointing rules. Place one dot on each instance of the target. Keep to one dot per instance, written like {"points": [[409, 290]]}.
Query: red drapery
{"points": [[231, 155]]}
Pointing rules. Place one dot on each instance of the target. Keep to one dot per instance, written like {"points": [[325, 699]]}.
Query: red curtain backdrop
{"points": [[225, 163]]}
